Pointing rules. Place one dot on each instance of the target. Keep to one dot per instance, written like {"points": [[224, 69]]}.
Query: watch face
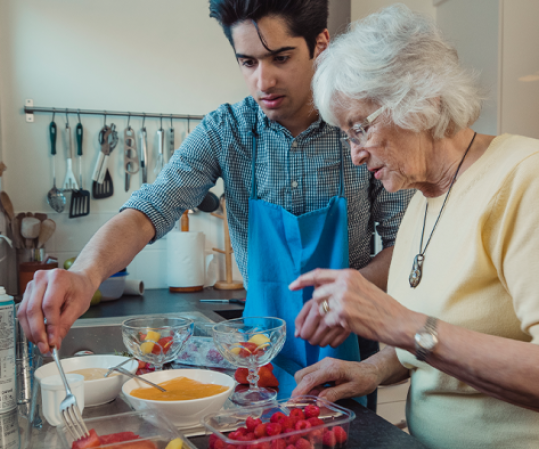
{"points": [[426, 341]]}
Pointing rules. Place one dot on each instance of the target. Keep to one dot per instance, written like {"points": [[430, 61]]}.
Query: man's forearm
{"points": [[114, 245], [378, 269]]}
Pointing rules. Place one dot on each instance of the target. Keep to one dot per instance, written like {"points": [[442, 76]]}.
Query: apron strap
{"points": [[253, 167]]}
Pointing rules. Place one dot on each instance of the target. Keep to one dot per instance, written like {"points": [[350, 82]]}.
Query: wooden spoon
{"points": [[7, 205], [48, 227], [30, 228]]}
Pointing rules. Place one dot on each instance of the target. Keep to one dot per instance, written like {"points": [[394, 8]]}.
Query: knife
{"points": [[226, 301], [143, 155]]}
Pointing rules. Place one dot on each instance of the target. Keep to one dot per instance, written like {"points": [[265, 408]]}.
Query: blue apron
{"points": [[283, 246]]}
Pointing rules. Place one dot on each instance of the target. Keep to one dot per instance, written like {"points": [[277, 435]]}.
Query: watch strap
{"points": [[429, 328]]}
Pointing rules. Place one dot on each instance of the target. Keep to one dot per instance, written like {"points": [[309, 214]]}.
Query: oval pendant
{"points": [[416, 273]]}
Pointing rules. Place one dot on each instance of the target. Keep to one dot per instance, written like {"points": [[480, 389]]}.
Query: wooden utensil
{"points": [[7, 205], [30, 228], [229, 283], [47, 229]]}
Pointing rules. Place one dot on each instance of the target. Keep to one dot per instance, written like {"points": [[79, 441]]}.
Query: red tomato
{"points": [[91, 441]]}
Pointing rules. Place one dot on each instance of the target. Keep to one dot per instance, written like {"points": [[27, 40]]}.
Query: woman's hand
{"points": [[351, 379], [355, 305]]}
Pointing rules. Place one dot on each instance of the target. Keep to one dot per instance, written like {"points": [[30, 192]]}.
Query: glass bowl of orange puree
{"points": [[190, 395]]}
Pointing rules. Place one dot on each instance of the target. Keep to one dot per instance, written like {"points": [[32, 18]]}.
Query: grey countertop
{"points": [[162, 301]]}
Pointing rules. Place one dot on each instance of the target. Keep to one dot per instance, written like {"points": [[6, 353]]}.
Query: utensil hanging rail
{"points": [[33, 110]]}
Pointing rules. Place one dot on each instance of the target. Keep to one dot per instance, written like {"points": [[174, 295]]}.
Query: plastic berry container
{"points": [[154, 430], [235, 428]]}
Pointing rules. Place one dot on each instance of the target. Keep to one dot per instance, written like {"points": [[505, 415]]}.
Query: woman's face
{"points": [[395, 156]]}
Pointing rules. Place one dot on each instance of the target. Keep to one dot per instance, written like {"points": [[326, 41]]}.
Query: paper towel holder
{"points": [[228, 283]]}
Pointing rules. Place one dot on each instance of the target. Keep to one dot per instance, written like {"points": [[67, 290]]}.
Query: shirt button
{"points": [[294, 144], [294, 184]]}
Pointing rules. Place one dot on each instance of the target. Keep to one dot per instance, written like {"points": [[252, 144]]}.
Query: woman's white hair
{"points": [[398, 59]]}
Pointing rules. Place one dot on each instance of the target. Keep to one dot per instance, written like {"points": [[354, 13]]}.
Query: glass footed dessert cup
{"points": [[156, 340], [250, 343]]}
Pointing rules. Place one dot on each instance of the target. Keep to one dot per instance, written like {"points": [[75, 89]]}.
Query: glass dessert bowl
{"points": [[250, 343], [156, 340]]}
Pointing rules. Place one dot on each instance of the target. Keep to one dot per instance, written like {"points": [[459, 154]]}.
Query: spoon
{"points": [[134, 376], [48, 227], [55, 197], [117, 366]]}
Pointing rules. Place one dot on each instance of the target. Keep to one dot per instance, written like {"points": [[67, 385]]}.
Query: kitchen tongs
{"points": [[102, 186]]}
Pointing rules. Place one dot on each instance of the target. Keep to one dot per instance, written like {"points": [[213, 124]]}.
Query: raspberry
{"points": [[292, 438], [290, 446], [251, 423], [302, 425], [316, 436], [232, 436], [276, 417], [242, 437], [230, 446], [278, 444], [315, 421], [261, 445], [273, 429], [286, 422], [241, 430], [311, 411], [213, 439], [302, 443], [250, 436], [329, 439], [340, 434], [260, 430], [219, 444], [297, 414]]}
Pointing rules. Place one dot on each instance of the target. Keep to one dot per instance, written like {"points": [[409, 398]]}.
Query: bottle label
{"points": [[8, 395]]}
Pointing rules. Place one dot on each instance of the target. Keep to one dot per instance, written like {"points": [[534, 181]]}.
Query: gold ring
{"points": [[325, 306]]}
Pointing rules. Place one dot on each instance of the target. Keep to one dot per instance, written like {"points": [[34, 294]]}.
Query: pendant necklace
{"points": [[417, 268]]}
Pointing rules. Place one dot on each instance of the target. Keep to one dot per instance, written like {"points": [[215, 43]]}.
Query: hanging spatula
{"points": [[80, 198]]}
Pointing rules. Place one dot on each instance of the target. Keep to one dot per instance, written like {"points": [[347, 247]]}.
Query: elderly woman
{"points": [[461, 315]]}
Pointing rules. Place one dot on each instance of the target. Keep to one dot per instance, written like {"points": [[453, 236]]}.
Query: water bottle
{"points": [[8, 389]]}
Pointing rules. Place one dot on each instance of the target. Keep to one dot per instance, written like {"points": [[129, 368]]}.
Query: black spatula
{"points": [[80, 198], [105, 190]]}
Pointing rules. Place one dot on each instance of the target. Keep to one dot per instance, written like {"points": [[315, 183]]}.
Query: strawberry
{"points": [[276, 417], [267, 378], [329, 439], [311, 411], [260, 431], [340, 434], [302, 443], [297, 414], [273, 429], [241, 375], [251, 423], [314, 421]]}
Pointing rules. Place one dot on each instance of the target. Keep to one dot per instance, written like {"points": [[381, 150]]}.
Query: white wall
{"points": [[163, 56], [472, 27], [362, 8]]}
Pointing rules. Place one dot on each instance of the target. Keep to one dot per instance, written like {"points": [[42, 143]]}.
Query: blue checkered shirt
{"points": [[300, 174]]}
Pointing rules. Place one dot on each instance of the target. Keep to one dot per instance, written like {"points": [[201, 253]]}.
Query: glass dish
{"points": [[250, 343], [223, 423], [148, 425], [156, 340]]}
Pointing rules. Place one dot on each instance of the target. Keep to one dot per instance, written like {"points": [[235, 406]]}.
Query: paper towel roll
{"points": [[185, 259], [134, 287]]}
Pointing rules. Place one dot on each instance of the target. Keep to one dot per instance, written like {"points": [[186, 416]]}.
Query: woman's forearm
{"points": [[387, 365]]}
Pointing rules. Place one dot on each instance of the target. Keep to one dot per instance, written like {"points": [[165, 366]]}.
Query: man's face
{"points": [[279, 80]]}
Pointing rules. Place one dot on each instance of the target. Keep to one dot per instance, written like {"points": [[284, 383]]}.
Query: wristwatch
{"points": [[426, 339]]}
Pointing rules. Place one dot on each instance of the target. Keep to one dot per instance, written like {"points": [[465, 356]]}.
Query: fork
{"points": [[69, 410]]}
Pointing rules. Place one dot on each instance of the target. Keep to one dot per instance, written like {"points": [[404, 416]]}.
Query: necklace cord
{"points": [[422, 252]]}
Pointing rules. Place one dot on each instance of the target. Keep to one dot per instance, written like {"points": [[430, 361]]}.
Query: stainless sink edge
{"points": [[115, 321]]}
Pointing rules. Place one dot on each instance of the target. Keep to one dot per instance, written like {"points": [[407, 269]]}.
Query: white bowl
{"points": [[113, 287], [182, 413], [96, 392]]}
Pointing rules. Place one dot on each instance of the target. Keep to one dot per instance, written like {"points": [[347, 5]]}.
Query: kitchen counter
{"points": [[163, 301], [368, 430]]}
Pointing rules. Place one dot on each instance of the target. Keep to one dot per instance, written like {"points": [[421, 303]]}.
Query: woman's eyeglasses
{"points": [[358, 133]]}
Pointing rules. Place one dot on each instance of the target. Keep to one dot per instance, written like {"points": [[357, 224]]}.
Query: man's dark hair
{"points": [[305, 18]]}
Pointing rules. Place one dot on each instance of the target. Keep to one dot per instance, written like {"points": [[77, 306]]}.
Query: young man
{"points": [[294, 200]]}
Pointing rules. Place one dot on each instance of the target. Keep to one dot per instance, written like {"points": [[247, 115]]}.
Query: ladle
{"points": [[55, 197]]}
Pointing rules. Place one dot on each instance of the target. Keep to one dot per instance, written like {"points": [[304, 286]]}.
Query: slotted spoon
{"points": [[55, 197]]}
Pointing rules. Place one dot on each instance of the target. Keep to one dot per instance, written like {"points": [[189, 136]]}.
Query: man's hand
{"points": [[310, 325], [351, 379], [61, 297]]}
